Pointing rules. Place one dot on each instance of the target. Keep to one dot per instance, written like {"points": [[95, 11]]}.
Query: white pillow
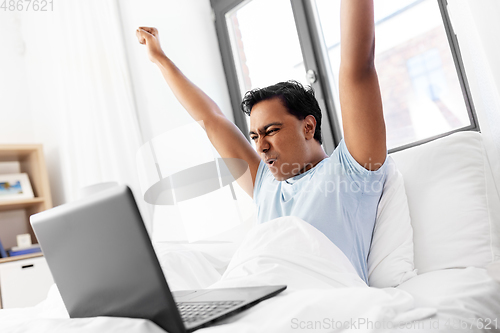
{"points": [[390, 261], [446, 189]]}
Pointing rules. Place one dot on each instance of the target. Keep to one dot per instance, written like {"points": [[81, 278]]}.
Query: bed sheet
{"points": [[467, 299], [324, 292]]}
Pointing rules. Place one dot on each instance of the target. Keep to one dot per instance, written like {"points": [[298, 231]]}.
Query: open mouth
{"points": [[271, 161]]}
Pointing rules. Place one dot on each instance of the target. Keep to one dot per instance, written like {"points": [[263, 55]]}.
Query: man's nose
{"points": [[263, 146]]}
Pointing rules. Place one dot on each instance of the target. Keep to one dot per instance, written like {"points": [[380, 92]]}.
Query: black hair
{"points": [[299, 101]]}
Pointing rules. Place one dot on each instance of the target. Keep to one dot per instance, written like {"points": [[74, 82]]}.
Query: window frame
{"points": [[316, 59]]}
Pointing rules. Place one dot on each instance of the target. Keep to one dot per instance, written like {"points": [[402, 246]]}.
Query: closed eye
{"points": [[271, 131], [254, 138]]}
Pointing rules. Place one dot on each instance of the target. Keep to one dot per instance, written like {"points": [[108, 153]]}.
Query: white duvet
{"points": [[324, 292]]}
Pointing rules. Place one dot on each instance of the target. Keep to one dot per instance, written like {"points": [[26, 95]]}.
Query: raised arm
{"points": [[360, 100], [224, 135]]}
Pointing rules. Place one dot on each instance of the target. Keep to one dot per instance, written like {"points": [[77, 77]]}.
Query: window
{"points": [[261, 59], [423, 84]]}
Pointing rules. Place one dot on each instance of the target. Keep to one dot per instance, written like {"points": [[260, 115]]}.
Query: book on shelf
{"points": [[3, 254], [17, 251]]}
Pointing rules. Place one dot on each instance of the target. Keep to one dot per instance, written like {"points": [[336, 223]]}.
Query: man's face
{"points": [[279, 138]]}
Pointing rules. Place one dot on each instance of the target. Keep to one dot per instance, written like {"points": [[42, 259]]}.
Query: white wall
{"points": [[24, 112], [15, 114]]}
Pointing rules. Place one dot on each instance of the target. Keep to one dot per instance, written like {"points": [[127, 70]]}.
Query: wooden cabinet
{"points": [[31, 161]]}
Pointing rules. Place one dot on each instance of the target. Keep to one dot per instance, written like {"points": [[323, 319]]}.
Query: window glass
{"points": [[419, 84], [265, 44]]}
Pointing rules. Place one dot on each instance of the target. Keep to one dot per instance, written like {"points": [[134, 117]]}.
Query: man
{"points": [[290, 174]]}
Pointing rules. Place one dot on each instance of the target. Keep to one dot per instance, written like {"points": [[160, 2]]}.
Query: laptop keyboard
{"points": [[194, 311]]}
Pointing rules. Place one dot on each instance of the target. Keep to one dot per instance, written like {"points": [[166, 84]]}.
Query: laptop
{"points": [[104, 264]]}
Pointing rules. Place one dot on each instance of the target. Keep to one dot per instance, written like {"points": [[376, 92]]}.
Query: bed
{"points": [[432, 264]]}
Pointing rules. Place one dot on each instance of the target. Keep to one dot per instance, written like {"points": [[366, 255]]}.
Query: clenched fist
{"points": [[150, 38]]}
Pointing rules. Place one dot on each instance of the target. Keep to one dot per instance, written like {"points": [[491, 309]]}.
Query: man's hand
{"points": [[150, 38]]}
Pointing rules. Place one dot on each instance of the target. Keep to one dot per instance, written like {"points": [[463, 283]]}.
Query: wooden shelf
{"points": [[24, 256], [20, 204], [31, 161]]}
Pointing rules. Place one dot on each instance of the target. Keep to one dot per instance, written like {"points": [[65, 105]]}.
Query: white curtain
{"points": [[81, 96]]}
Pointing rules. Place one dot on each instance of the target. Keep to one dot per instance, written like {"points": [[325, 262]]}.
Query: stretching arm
{"points": [[224, 135], [360, 99]]}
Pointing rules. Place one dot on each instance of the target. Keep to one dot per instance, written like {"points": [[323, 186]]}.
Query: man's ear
{"points": [[309, 127]]}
